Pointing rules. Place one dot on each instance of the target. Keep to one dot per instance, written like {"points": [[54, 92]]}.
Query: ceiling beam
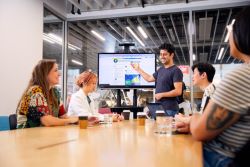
{"points": [[111, 25], [99, 4], [88, 31], [113, 2], [215, 29], [80, 37], [165, 29], [110, 32], [155, 29], [160, 9], [87, 3], [185, 30], [171, 18], [85, 34], [223, 36], [131, 24], [123, 27], [147, 32], [204, 35], [125, 2]]}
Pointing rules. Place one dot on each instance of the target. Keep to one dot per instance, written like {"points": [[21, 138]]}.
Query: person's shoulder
{"points": [[78, 94], [240, 73], [35, 89], [177, 70], [160, 68], [244, 69]]}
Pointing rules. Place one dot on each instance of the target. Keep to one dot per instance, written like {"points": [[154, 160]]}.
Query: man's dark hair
{"points": [[241, 32], [166, 46], [207, 68]]}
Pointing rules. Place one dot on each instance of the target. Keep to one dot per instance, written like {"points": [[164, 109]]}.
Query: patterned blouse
{"points": [[34, 105]]}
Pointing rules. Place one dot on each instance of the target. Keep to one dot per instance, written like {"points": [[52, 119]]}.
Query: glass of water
{"points": [[164, 125], [108, 119]]}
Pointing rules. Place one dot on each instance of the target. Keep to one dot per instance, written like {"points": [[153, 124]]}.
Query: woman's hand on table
{"points": [[117, 117]]}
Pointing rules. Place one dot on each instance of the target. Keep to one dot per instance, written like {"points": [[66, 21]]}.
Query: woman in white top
{"points": [[81, 103]]}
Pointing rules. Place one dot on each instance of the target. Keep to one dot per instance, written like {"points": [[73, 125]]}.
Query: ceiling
{"points": [[96, 5], [209, 31]]}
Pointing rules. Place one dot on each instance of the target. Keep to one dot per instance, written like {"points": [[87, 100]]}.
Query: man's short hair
{"points": [[166, 46], [207, 68]]}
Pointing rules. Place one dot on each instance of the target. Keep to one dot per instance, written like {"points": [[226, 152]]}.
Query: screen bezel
{"points": [[123, 86]]}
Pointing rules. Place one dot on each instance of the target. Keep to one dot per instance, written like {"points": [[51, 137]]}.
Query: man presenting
{"points": [[168, 80]]}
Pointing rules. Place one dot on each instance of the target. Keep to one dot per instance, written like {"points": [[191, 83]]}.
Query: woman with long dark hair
{"points": [[41, 104]]}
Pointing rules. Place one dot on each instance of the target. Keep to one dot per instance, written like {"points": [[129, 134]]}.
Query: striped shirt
{"points": [[233, 94]]}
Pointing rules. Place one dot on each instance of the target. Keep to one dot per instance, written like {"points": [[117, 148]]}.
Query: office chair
{"points": [[12, 121]]}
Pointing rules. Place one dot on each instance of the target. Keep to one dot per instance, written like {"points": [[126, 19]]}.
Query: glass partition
{"points": [[87, 38], [53, 40]]}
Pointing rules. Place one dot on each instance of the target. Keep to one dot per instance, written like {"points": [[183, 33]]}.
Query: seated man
{"points": [[203, 78]]}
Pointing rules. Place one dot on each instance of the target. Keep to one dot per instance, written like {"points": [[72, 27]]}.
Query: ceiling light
{"points": [[143, 33], [98, 35], [135, 36], [76, 62], [46, 38], [74, 47], [112, 27], [70, 47], [55, 37], [229, 30], [52, 38], [221, 52]]}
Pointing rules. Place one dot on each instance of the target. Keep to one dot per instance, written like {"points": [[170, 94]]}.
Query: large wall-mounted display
{"points": [[115, 70]]}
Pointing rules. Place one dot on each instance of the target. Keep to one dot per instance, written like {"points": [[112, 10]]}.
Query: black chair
{"points": [[12, 121]]}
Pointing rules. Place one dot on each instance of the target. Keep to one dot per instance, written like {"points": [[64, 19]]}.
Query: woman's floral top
{"points": [[34, 105]]}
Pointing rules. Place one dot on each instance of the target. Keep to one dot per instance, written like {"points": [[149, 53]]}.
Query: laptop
{"points": [[152, 109]]}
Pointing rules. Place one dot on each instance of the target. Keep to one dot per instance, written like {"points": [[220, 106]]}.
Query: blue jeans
{"points": [[171, 112], [214, 159]]}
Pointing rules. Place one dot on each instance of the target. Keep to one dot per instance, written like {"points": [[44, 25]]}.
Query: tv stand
{"points": [[119, 108], [133, 109]]}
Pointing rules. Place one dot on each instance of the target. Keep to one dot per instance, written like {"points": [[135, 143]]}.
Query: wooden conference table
{"points": [[124, 144]]}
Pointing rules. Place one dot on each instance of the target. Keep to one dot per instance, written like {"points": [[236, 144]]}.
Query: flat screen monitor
{"points": [[115, 70]]}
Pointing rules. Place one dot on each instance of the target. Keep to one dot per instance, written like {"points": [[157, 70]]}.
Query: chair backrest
{"points": [[12, 121], [4, 123], [105, 110]]}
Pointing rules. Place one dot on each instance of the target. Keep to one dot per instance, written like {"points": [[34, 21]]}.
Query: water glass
{"points": [[108, 119], [164, 125]]}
